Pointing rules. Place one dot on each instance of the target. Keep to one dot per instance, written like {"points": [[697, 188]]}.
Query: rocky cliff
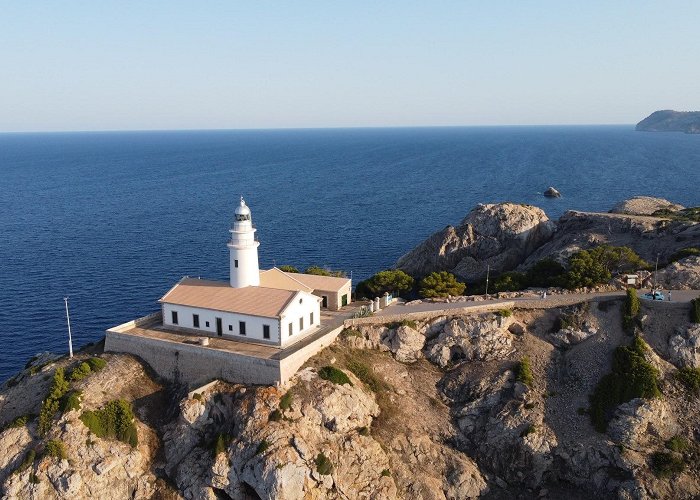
{"points": [[671, 121], [434, 409]]}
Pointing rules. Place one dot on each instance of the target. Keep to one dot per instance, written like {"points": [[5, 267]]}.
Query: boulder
{"points": [[635, 421], [498, 235], [571, 336], [551, 192], [681, 275], [684, 347], [644, 205], [406, 344]]}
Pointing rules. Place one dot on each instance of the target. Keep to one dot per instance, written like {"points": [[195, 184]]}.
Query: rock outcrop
{"points": [[644, 205], [499, 235], [683, 274], [684, 347], [671, 121]]}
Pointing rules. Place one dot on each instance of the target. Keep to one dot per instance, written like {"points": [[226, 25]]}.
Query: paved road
{"points": [[555, 300]]}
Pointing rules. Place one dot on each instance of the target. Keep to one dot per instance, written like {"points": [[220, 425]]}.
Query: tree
{"points": [[288, 269], [391, 280], [509, 282], [595, 266], [319, 271], [547, 272], [441, 284]]}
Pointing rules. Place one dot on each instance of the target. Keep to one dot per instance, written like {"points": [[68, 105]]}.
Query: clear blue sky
{"points": [[103, 65]]}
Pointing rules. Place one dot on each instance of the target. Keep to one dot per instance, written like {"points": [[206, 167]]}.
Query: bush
{"points": [[286, 401], [319, 271], [20, 421], [34, 479], [334, 375], [683, 253], [350, 332], [56, 449], [288, 269], [114, 421], [511, 281], [588, 268], [504, 313], [630, 310], [632, 377], [546, 273], [440, 284], [678, 444], [80, 372], [52, 403], [323, 465], [367, 376], [262, 447], [386, 473], [404, 322], [530, 429], [695, 310], [96, 364], [71, 401], [27, 462], [363, 431], [275, 416], [393, 281], [523, 372], [665, 464], [690, 378], [197, 396], [221, 442]]}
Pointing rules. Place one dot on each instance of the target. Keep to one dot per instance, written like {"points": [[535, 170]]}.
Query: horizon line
{"points": [[351, 127]]}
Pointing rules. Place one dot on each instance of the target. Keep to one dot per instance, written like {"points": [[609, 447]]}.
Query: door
{"points": [[324, 304], [219, 327]]}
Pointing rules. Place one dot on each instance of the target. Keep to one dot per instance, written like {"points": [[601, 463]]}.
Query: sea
{"points": [[111, 220]]}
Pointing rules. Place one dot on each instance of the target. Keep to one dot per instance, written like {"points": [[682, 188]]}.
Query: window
{"points": [[174, 317], [207, 324], [311, 319], [235, 263], [195, 320], [230, 328], [345, 300], [301, 324], [301, 301], [291, 329], [266, 331], [241, 327]]}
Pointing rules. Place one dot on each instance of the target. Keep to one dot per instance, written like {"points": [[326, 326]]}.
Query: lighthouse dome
{"points": [[242, 211]]}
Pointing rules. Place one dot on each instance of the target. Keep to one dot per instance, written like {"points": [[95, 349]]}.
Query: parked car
{"points": [[654, 295]]}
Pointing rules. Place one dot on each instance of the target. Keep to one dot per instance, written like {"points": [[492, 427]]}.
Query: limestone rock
{"points": [[497, 235], [683, 274], [644, 205], [684, 347], [551, 192], [571, 336], [406, 344], [471, 338], [636, 420]]}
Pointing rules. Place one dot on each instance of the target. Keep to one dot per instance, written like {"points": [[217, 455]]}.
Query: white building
{"points": [[286, 308]]}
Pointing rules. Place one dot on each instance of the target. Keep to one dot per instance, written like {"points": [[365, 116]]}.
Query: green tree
{"points": [[288, 269], [597, 265], [319, 271], [440, 284], [547, 272], [509, 282], [392, 281], [630, 310]]}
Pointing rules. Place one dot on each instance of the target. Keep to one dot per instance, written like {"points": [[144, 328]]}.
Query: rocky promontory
{"points": [[671, 121]]}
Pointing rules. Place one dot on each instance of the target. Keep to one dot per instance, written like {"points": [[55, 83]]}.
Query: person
{"points": [[544, 294], [669, 295]]}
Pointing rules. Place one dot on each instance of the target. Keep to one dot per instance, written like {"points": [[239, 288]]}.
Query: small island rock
{"points": [[552, 192]]}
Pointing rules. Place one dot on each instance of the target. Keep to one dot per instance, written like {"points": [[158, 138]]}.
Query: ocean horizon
{"points": [[112, 219]]}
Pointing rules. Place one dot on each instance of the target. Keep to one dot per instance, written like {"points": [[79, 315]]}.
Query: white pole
{"points": [[70, 339], [488, 268]]}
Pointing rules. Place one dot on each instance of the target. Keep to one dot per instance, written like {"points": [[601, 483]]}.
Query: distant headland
{"points": [[671, 121]]}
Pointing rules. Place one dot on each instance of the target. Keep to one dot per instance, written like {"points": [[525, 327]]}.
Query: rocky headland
{"points": [[671, 121]]}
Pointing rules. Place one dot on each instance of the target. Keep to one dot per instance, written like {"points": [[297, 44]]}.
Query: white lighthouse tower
{"points": [[243, 248]]}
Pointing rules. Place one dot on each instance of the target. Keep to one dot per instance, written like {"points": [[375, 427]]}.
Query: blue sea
{"points": [[112, 220]]}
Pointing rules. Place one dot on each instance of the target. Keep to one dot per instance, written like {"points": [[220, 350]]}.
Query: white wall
{"points": [[254, 324], [248, 272], [295, 310]]}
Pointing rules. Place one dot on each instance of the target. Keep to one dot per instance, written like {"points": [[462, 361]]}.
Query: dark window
{"points": [[324, 303], [174, 317], [195, 320], [301, 324], [266, 331], [291, 329], [235, 263], [230, 328], [207, 324], [301, 301], [241, 327], [345, 300], [311, 319]]}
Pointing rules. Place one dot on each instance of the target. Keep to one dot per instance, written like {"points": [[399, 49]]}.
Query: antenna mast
{"points": [[70, 339]]}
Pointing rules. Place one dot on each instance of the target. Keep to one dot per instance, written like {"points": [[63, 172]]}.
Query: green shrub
{"points": [[367, 376], [665, 464], [386, 473], [404, 322], [333, 374], [683, 253], [56, 449], [275, 416], [27, 462], [20, 421], [632, 377], [286, 401], [511, 281], [695, 310], [80, 372], [262, 447], [523, 372], [393, 281], [350, 332], [96, 364], [691, 214], [363, 431], [690, 378], [197, 396], [440, 284], [546, 273], [71, 401], [221, 443], [530, 429], [319, 271], [114, 421], [288, 269], [52, 403], [592, 267], [323, 465], [504, 313], [678, 444], [34, 479], [630, 310]]}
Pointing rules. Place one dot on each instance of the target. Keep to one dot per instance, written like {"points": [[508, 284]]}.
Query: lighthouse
{"points": [[243, 247]]}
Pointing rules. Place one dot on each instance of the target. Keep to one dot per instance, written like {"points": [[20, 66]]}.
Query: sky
{"points": [[138, 65]]}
